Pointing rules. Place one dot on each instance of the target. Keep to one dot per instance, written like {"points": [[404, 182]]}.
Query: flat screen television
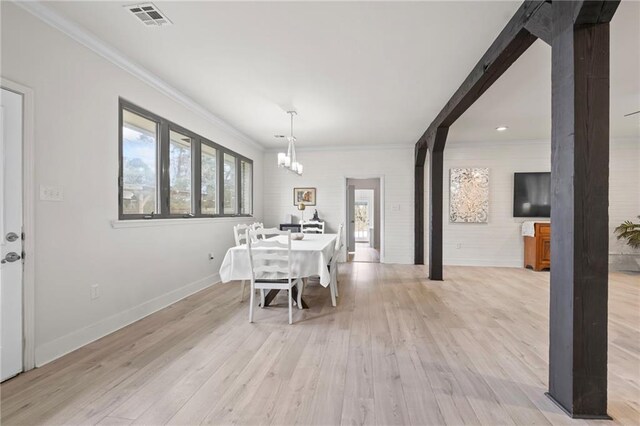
{"points": [[532, 194]]}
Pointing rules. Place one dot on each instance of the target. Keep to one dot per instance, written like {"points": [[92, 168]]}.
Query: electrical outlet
{"points": [[51, 193], [459, 246], [95, 293]]}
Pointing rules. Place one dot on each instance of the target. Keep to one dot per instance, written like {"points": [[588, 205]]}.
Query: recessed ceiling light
{"points": [[501, 128]]}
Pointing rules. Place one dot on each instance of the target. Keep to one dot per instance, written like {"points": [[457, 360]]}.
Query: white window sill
{"points": [[145, 223]]}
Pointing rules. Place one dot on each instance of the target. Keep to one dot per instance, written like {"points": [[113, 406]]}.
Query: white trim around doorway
{"points": [[28, 226]]}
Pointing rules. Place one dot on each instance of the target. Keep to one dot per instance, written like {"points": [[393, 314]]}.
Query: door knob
{"points": [[12, 236], [11, 257]]}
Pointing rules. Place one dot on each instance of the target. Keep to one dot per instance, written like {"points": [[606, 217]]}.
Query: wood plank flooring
{"points": [[364, 253], [398, 349]]}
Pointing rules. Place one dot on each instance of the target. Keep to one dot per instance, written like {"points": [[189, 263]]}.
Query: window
{"points": [[230, 184], [246, 187], [209, 189], [139, 159], [169, 172], [179, 173]]}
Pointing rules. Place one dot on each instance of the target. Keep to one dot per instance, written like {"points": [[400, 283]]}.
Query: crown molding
{"points": [[367, 147], [111, 54]]}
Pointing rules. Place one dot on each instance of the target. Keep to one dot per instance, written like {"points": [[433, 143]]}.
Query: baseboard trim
{"points": [[496, 263], [61, 346], [483, 262]]}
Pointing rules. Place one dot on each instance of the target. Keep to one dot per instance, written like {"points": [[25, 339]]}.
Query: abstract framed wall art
{"points": [[469, 195]]}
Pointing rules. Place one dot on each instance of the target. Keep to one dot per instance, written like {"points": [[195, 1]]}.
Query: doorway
{"points": [[364, 220], [11, 224]]}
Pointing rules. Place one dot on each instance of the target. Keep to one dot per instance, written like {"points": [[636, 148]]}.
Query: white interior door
{"points": [[11, 268], [351, 218]]}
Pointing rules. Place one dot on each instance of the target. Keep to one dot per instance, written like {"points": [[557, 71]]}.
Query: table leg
{"points": [[270, 296], [273, 293]]}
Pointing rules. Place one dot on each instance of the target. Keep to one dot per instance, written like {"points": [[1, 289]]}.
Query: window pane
{"points": [[229, 184], [179, 173], [209, 168], [246, 182], [139, 158]]}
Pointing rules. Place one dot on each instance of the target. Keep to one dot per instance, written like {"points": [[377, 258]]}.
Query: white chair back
{"points": [[263, 233], [258, 225], [269, 259], [312, 227], [240, 233]]}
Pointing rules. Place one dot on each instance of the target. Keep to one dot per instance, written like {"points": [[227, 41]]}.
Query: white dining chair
{"points": [[312, 227], [333, 264], [240, 235], [270, 263], [258, 225]]}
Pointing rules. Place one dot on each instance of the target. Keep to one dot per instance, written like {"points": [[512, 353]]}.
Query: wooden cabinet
{"points": [[537, 249]]}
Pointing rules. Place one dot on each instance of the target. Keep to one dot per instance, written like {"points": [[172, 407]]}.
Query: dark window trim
{"points": [[240, 192], [237, 169], [199, 160], [164, 127], [167, 195], [123, 104]]}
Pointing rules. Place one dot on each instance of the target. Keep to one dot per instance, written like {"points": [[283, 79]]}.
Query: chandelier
{"points": [[288, 161]]}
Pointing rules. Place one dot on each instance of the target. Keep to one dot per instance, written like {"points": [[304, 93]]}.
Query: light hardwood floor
{"points": [[398, 349], [364, 253]]}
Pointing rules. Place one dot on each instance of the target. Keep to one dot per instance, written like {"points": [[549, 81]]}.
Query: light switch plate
{"points": [[51, 193]]}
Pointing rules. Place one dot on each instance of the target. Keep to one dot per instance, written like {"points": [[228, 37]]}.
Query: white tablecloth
{"points": [[309, 257]]}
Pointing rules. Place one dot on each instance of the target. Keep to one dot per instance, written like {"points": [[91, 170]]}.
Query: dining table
{"points": [[310, 257]]}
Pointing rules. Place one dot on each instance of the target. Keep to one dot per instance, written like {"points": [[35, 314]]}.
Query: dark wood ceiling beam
{"points": [[514, 40], [540, 24], [594, 12]]}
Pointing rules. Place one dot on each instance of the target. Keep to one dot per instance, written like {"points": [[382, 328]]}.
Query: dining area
{"points": [[273, 260]]}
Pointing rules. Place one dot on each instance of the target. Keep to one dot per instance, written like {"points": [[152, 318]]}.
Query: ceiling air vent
{"points": [[149, 14]]}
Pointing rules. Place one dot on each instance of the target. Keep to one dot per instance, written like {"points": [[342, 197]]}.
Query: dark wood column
{"points": [[419, 216], [435, 214], [436, 177], [418, 232], [579, 214]]}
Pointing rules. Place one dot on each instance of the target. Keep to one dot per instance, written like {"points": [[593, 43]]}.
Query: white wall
{"points": [[498, 242], [139, 270], [327, 171]]}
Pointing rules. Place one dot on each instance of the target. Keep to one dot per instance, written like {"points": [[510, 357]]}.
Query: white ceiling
{"points": [[357, 72]]}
